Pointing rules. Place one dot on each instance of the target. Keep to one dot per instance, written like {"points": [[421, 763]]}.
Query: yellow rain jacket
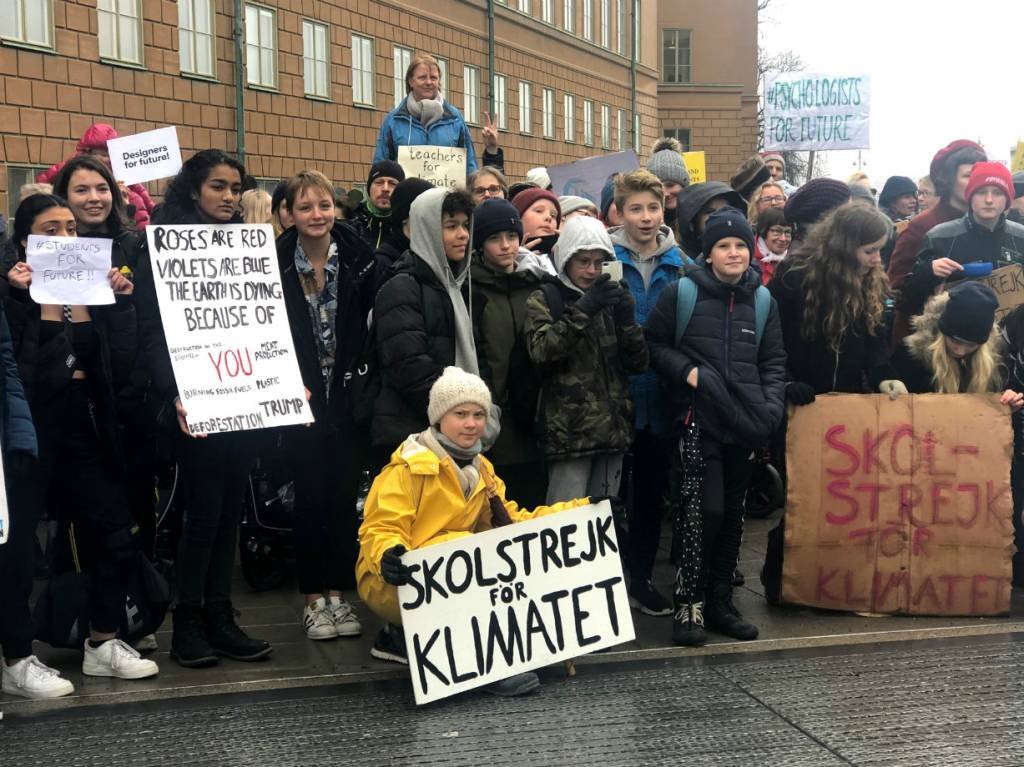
{"points": [[417, 501]]}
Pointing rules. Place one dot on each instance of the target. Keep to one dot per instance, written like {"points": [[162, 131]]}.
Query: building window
{"points": [[548, 113], [588, 122], [524, 6], [620, 26], [636, 132], [261, 46], [195, 37], [525, 107], [120, 30], [675, 55], [547, 11], [620, 130], [403, 58], [605, 24], [17, 177], [471, 91], [27, 21], [606, 126], [636, 28], [588, 19], [569, 15], [315, 64], [500, 112], [362, 70], [570, 118], [442, 67], [680, 134]]}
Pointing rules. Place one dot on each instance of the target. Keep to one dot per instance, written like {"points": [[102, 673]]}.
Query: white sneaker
{"points": [[115, 658], [346, 623], [147, 644], [316, 619], [31, 678]]}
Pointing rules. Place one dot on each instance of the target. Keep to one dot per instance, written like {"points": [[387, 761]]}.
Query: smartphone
{"points": [[545, 243], [614, 268]]}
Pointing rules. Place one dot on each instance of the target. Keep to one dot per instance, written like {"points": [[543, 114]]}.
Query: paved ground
{"points": [[952, 702]]}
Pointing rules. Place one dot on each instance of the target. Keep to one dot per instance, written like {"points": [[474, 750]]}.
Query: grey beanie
{"points": [[666, 162]]}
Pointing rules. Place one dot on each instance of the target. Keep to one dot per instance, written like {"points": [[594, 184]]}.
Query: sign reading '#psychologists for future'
{"points": [[69, 270], [900, 506], [145, 156], [219, 290], [442, 166], [498, 603], [803, 111]]}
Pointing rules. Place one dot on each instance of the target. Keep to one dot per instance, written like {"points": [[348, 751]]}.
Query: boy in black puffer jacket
{"points": [[728, 367]]}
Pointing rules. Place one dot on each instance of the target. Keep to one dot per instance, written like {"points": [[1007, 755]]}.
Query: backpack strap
{"points": [[686, 299], [553, 296], [762, 308]]}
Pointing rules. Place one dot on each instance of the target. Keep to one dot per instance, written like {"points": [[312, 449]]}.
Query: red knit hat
{"points": [[522, 201], [990, 174], [96, 136], [936, 167]]}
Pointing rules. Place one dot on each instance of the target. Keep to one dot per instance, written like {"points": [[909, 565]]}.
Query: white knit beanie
{"points": [[456, 387]]}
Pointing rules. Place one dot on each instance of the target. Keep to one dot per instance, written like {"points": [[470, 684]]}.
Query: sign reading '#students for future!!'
{"points": [[219, 290], [145, 156], [900, 506], [69, 270], [487, 606], [442, 166], [803, 111]]}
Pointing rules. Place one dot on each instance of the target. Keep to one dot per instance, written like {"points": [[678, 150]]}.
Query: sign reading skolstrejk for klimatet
{"points": [[814, 111]]}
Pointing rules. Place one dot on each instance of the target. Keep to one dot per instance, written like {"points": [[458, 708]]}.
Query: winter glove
{"points": [[391, 568], [603, 293], [19, 464], [799, 393], [625, 309], [893, 388]]}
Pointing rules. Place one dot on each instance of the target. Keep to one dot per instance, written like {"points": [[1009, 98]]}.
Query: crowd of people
{"points": [[487, 354]]}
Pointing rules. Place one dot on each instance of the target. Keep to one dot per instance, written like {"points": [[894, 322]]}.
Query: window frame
{"points": [[499, 86], [683, 135], [677, 67], [13, 190], [606, 126], [398, 73], [361, 72], [315, 25], [118, 56], [620, 27], [526, 107], [588, 122], [442, 66], [569, 16], [17, 8], [547, 110], [588, 20], [192, 35], [471, 74], [569, 118], [605, 11], [547, 11], [620, 129], [260, 85]]}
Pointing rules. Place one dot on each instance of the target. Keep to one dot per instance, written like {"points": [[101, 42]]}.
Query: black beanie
{"points": [[813, 200], [726, 222], [494, 216], [896, 186], [402, 197], [278, 196], [969, 313], [388, 168]]}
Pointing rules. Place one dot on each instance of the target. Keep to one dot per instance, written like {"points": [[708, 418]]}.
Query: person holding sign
{"points": [[437, 487], [73, 359], [214, 468], [327, 275]]}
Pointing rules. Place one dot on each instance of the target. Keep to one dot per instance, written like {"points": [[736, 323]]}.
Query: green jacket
{"points": [[499, 321], [585, 364]]}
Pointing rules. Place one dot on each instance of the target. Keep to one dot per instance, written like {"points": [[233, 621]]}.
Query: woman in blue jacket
{"points": [[424, 118]]}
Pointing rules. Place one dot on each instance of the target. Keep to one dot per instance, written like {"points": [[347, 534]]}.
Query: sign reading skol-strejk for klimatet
{"points": [[487, 606], [219, 290], [805, 111]]}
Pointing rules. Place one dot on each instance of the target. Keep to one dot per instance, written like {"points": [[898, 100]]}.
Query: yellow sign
{"points": [[695, 167], [1018, 158]]}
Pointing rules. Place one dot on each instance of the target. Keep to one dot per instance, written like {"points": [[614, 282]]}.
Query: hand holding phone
{"points": [[614, 269]]}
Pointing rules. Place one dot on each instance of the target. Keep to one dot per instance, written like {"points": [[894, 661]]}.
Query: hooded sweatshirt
{"points": [[426, 244], [580, 233], [691, 201]]}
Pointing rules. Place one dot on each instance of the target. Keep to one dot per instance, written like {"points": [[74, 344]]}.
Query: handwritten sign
{"points": [[442, 166], [508, 600], [1008, 284], [803, 111], [219, 290], [69, 270], [900, 506], [696, 166], [587, 177], [145, 156]]}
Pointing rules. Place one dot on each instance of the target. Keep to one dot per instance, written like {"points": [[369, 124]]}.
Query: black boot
{"points": [[688, 623], [188, 639], [227, 638], [721, 616]]}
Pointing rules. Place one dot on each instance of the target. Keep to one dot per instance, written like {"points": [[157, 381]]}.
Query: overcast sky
{"points": [[940, 70]]}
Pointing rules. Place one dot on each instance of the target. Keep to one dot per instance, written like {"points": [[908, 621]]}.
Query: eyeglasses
{"points": [[487, 189], [780, 231], [773, 200]]}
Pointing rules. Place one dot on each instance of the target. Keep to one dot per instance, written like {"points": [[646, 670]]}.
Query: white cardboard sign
{"points": [[145, 156], [69, 270], [512, 599], [815, 111], [442, 166], [219, 290]]}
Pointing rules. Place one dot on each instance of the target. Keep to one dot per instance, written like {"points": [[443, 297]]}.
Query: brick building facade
{"points": [[320, 77]]}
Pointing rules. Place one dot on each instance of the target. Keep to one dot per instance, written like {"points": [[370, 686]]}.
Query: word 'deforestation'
{"points": [[222, 305], [508, 600]]}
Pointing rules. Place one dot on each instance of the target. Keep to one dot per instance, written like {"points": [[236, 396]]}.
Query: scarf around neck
{"points": [[464, 460], [427, 111]]}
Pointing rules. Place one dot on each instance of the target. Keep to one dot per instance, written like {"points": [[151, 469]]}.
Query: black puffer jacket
{"points": [[740, 386], [415, 336], [356, 291], [862, 358], [374, 230]]}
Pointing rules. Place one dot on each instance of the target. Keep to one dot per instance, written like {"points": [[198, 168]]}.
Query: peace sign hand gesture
{"points": [[490, 134]]}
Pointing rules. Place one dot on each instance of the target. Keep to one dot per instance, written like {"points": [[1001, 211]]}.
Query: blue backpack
{"points": [[686, 299]]}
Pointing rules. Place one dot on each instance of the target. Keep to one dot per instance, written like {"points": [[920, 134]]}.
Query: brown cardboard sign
{"points": [[1008, 284], [900, 506]]}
